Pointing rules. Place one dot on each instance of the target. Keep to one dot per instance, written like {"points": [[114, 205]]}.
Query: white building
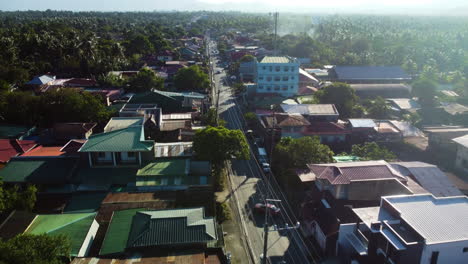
{"points": [[408, 229], [461, 162], [278, 75]]}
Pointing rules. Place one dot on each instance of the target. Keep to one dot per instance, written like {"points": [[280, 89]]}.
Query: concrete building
{"points": [[407, 229], [461, 162], [278, 75]]}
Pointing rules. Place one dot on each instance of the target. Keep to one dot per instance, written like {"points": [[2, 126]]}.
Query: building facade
{"points": [[278, 75]]}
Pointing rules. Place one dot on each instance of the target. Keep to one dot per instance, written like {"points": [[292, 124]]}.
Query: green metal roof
{"points": [[73, 226], [123, 140], [166, 167], [85, 202], [12, 131], [39, 170], [346, 158], [278, 59], [116, 237], [139, 228]]}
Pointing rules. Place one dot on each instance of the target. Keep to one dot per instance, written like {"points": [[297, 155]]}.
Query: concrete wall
{"points": [[89, 239], [461, 162], [451, 252]]}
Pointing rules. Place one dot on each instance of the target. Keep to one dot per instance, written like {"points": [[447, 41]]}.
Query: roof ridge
{"points": [[72, 222]]}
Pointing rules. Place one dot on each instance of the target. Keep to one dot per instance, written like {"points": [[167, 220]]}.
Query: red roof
{"points": [[73, 145], [306, 90], [347, 172], [42, 151], [12, 147], [325, 128]]}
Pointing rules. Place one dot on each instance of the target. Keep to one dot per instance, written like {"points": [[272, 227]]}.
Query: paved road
{"points": [[249, 185]]}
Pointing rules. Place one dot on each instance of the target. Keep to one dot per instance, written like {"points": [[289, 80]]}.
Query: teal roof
{"points": [[39, 170], [139, 228], [122, 140], [73, 226], [12, 131], [346, 158], [168, 101], [85, 202]]}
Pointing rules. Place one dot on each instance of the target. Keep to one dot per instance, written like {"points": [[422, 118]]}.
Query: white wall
{"points": [[451, 252], [107, 157], [84, 250], [286, 88]]}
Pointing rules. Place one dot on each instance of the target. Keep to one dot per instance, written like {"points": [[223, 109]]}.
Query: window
{"points": [[264, 67], [292, 77], [434, 257], [286, 68], [277, 68], [285, 78], [292, 68], [260, 78], [269, 78], [277, 88], [131, 154], [269, 88], [292, 87], [465, 249], [277, 78], [271, 68], [101, 155], [260, 87], [284, 88]]}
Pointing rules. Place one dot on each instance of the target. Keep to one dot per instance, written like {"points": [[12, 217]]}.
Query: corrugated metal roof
{"points": [[166, 167], [429, 176], [277, 59], [123, 140], [438, 220], [347, 172], [362, 123], [179, 258], [370, 73], [173, 149], [73, 226], [405, 103], [462, 140], [117, 123], [310, 109], [140, 228]]}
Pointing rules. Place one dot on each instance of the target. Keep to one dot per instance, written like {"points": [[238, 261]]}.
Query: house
{"points": [[407, 229], [79, 228], [171, 102], [440, 142], [158, 230], [369, 74], [330, 133], [386, 131], [385, 90], [461, 162], [332, 189], [8, 131], [278, 75], [172, 258], [10, 148], [454, 109], [165, 55], [429, 176], [64, 132], [313, 112], [173, 174], [173, 149], [403, 105], [307, 79], [45, 151], [125, 146], [48, 172], [41, 80], [287, 125]]}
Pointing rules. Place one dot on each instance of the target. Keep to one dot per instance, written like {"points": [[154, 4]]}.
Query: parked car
{"points": [[261, 207], [266, 167]]}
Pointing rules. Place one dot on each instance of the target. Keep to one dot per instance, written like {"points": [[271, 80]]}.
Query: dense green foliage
{"points": [[37, 249], [340, 94], [56, 106], [191, 78], [372, 151], [144, 81], [425, 90], [377, 108], [218, 144], [14, 198]]}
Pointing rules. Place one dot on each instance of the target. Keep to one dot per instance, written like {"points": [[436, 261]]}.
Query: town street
{"points": [[249, 187]]}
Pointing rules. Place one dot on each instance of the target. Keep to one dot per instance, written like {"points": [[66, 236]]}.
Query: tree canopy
{"points": [[217, 144], [37, 249], [425, 90], [377, 108], [16, 198], [340, 94], [372, 151], [191, 78], [145, 80]]}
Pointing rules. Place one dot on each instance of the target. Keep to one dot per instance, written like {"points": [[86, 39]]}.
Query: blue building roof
{"points": [[370, 73], [40, 80]]}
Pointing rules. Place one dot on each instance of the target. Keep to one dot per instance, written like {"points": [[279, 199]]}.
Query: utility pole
{"points": [[275, 228], [276, 14]]}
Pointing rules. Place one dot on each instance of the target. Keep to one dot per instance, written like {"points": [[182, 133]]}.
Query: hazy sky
{"points": [[395, 6]]}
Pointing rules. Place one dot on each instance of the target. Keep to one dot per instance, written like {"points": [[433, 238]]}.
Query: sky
{"points": [[452, 7]]}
